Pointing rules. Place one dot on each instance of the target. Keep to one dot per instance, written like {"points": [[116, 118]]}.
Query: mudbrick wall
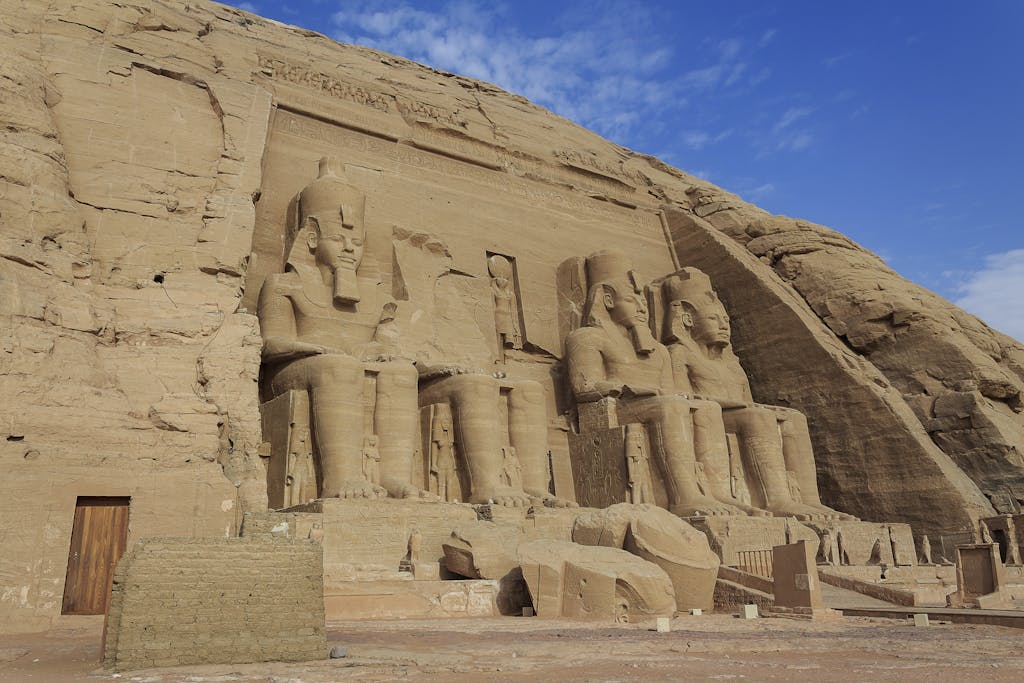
{"points": [[216, 601]]}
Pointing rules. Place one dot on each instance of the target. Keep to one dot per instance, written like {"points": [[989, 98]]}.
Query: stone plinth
{"points": [[795, 576], [729, 536], [866, 543]]}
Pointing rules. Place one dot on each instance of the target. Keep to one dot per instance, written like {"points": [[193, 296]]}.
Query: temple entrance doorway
{"points": [[99, 537]]}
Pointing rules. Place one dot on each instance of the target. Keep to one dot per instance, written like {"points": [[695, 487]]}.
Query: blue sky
{"points": [[896, 123]]}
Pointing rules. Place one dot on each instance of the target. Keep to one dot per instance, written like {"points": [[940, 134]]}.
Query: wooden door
{"points": [[98, 539]]}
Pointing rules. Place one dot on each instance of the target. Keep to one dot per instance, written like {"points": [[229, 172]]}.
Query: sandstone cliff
{"points": [[147, 153]]}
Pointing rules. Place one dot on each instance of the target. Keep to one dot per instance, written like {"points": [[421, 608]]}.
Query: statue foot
{"points": [[705, 507], [355, 489], [753, 511], [833, 515], [506, 497], [410, 492], [803, 513], [550, 501]]}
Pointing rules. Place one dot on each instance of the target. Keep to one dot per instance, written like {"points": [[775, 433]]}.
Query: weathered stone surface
{"points": [[148, 155], [572, 580], [257, 600], [657, 536], [482, 550]]}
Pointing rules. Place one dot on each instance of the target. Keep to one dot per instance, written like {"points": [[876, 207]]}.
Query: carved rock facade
{"points": [[150, 153]]}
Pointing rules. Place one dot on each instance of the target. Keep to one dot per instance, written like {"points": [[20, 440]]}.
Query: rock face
{"points": [[149, 156]]}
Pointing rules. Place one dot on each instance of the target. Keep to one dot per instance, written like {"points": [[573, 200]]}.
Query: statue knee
{"points": [[707, 409], [471, 387], [528, 391], [401, 375], [336, 369]]}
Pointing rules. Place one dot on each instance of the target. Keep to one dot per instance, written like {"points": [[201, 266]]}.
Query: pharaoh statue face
{"points": [[331, 231], [625, 306], [336, 245], [710, 324]]}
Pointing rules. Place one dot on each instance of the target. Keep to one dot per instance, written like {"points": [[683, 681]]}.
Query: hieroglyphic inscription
{"points": [[302, 75], [386, 150], [592, 163], [579, 169], [283, 70]]}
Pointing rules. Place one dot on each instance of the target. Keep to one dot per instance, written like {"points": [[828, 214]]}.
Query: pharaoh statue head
{"points": [[616, 297], [327, 231], [693, 311]]}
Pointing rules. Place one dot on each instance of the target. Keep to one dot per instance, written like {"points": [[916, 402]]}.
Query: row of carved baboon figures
{"points": [[675, 385]]}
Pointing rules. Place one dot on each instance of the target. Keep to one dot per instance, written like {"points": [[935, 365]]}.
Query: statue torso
{"points": [[319, 321], [721, 378]]}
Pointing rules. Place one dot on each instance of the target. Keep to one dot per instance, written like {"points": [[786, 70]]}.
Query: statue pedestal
{"points": [[366, 542], [869, 543], [740, 541]]}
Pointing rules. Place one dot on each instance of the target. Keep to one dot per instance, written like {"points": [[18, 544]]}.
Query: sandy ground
{"points": [[710, 647]]}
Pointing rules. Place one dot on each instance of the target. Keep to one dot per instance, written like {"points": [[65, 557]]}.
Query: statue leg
{"points": [[335, 386], [395, 421], [712, 450], [669, 429], [799, 456], [528, 434], [474, 403], [761, 441]]}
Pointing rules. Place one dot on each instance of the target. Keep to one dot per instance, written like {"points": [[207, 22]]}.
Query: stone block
{"points": [[795, 576], [920, 620], [568, 579], [657, 536], [748, 612], [663, 625]]}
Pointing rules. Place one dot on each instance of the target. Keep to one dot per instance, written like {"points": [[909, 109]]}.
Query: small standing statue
{"points": [[844, 553], [876, 553], [371, 460], [926, 550], [789, 532], [511, 467], [825, 555], [638, 466], [443, 474], [506, 318], [894, 543], [415, 546], [986, 535]]}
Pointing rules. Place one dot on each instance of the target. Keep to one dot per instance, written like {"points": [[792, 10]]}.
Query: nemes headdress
{"points": [[690, 285], [608, 267], [329, 194]]}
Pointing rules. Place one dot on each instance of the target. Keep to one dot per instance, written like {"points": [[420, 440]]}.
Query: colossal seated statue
{"points": [[320, 322], [514, 475], [615, 355], [774, 441]]}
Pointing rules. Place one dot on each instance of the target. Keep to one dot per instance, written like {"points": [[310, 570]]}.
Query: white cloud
{"points": [[597, 73], [699, 139], [248, 7], [791, 116], [994, 293], [603, 70], [767, 37], [758, 193]]}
